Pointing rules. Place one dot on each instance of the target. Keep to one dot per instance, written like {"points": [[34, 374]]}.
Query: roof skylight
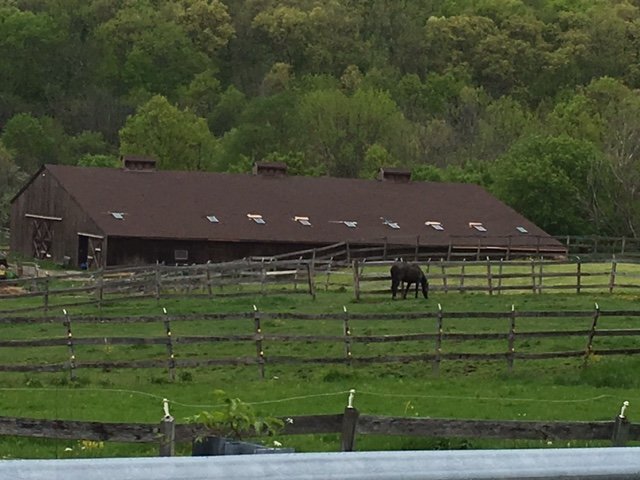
{"points": [[390, 224], [213, 219], [522, 229], [478, 226], [256, 218], [302, 221], [435, 225], [117, 215], [350, 223]]}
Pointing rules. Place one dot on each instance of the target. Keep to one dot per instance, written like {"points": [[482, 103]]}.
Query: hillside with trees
{"points": [[537, 100]]}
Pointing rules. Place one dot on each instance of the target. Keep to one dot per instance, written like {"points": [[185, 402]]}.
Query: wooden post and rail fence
{"points": [[496, 277], [300, 276], [441, 336], [348, 425]]}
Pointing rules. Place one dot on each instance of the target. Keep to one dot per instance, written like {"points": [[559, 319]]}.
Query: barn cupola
{"points": [[270, 169], [398, 175], [138, 164]]}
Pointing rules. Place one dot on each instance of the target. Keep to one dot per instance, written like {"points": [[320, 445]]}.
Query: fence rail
{"points": [[344, 338], [287, 277], [348, 425]]}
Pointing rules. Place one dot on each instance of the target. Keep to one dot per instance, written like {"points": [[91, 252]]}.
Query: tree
{"points": [[11, 179], [208, 24], [145, 49], [607, 113], [35, 141], [29, 46], [108, 161], [340, 129], [312, 36], [178, 139], [202, 95], [549, 180]]}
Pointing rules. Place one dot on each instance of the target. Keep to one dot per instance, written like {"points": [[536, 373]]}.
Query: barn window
{"points": [[390, 224], [302, 221], [478, 226], [522, 230], [213, 219], [435, 225], [256, 218], [117, 215], [181, 255]]}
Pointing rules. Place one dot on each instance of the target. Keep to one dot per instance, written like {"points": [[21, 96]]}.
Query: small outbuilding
{"points": [[98, 217]]}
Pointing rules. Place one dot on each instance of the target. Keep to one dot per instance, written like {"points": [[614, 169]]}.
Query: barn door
{"points": [[42, 237], [89, 251]]}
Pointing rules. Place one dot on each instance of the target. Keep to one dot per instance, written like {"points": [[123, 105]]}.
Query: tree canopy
{"points": [[535, 100]]}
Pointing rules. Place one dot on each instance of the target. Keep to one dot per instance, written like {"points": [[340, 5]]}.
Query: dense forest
{"points": [[537, 100]]}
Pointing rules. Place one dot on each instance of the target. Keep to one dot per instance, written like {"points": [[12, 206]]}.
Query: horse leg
{"points": [[406, 289], [394, 288], [417, 284]]}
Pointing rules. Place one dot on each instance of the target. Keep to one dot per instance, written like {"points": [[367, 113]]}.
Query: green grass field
{"points": [[562, 389]]}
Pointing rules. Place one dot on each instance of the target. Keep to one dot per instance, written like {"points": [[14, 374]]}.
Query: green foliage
{"points": [[236, 419], [177, 138], [11, 179], [35, 141], [547, 180], [336, 87], [108, 161]]}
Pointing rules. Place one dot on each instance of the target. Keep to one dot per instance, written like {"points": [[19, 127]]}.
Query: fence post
{"points": [[347, 336], [99, 288], [512, 339], [295, 277], [209, 289], [445, 285], [438, 348], [612, 278], [449, 250], [578, 275], [167, 432], [592, 333], [72, 355], [263, 277], [417, 251], [158, 280], [621, 427], [533, 275], [500, 271], [326, 285], [356, 279], [348, 251], [464, 260], [384, 249], [540, 275], [489, 278], [311, 273], [45, 297], [259, 337], [622, 245], [172, 360], [349, 424]]}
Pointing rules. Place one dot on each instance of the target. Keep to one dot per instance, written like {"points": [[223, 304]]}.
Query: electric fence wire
{"points": [[405, 396]]}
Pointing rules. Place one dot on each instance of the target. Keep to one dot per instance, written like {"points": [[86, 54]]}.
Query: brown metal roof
{"points": [[175, 204]]}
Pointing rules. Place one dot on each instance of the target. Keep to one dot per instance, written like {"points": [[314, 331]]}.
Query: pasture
{"points": [[554, 389]]}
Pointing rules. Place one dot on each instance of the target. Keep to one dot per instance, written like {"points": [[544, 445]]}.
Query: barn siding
{"points": [[136, 251], [45, 196]]}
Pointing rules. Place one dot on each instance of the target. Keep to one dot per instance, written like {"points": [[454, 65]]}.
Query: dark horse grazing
{"points": [[408, 273]]}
